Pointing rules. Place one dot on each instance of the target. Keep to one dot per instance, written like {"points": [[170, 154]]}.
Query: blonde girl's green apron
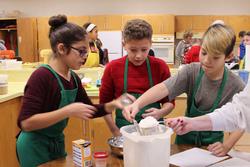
{"points": [[203, 137], [40, 146], [93, 58], [120, 120]]}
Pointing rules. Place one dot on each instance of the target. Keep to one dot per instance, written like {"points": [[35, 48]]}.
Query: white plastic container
{"points": [[146, 151], [3, 84]]}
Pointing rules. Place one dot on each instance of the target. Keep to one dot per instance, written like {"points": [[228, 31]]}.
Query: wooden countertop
{"points": [[112, 160]]}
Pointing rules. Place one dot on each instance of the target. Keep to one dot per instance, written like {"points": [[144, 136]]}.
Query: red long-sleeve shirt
{"points": [[193, 54], [138, 81]]}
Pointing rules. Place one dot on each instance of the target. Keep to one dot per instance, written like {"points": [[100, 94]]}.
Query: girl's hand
{"points": [[181, 125], [120, 102], [80, 110], [154, 112], [218, 149]]}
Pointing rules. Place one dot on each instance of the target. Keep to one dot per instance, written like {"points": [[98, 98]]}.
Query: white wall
{"points": [[96, 7]]}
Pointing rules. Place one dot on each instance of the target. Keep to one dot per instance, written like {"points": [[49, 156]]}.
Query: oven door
{"points": [[164, 51]]}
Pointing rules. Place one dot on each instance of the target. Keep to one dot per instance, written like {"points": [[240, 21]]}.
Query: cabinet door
{"points": [[200, 23], [79, 20], [43, 33], [73, 131], [99, 21], [239, 23], [126, 18], [183, 23], [223, 18], [97, 131], [156, 23], [27, 39], [113, 22], [168, 22]]}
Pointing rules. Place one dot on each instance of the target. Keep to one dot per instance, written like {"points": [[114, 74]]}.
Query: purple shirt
{"points": [[42, 94]]}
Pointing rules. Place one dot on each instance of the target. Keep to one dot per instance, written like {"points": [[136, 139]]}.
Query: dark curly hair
{"points": [[64, 32]]}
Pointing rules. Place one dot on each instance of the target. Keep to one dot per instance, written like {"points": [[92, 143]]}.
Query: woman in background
{"points": [[93, 59]]}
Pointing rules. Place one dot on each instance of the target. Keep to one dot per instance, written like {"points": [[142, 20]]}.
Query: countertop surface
{"points": [[16, 89], [18, 78], [112, 159]]}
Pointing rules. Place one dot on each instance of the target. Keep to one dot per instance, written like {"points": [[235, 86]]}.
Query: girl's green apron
{"points": [[46, 144], [202, 137], [120, 120]]}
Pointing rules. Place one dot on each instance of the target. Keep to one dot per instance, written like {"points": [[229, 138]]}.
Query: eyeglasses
{"points": [[82, 52]]}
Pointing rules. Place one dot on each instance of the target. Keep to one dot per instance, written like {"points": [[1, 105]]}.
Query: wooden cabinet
{"points": [[183, 23], [161, 24], [27, 39], [20, 35], [43, 33], [179, 110], [79, 20], [8, 124], [200, 23], [8, 33], [107, 22]]}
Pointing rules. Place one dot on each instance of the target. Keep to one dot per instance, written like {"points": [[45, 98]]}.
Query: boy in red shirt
{"points": [[135, 73]]}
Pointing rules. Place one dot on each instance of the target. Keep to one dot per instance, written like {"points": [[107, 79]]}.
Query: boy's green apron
{"points": [[120, 120], [202, 137], [40, 146]]}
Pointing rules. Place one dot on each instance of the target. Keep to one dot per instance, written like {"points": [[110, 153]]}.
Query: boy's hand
{"points": [[154, 112]]}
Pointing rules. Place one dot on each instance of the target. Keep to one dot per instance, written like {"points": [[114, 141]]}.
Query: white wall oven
{"points": [[163, 47]]}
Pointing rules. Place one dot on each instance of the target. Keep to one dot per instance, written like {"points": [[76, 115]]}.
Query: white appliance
{"points": [[247, 58], [163, 46], [112, 40]]}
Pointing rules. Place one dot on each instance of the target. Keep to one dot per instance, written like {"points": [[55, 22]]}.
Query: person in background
{"points": [[151, 52], [208, 85], [2, 45], [182, 47], [242, 48], [93, 59], [54, 93], [134, 74], [192, 54], [246, 42], [101, 51]]}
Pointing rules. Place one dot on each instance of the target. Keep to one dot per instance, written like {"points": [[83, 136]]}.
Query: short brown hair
{"points": [[137, 29]]}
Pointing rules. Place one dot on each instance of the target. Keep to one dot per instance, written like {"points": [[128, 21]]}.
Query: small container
{"points": [[3, 89], [100, 158], [244, 75], [3, 84]]}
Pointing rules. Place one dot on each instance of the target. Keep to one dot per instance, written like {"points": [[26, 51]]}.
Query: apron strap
{"points": [[220, 91], [125, 78], [58, 78]]}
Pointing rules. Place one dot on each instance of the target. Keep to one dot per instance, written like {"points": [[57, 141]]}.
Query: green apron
{"points": [[40, 146], [120, 120], [202, 138]]}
